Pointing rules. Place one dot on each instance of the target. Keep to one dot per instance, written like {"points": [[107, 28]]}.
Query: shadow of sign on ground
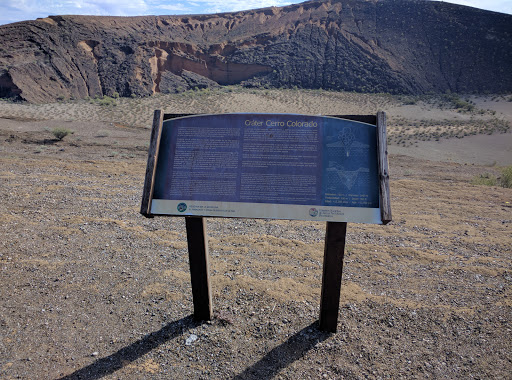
{"points": [[285, 354], [293, 349], [112, 363]]}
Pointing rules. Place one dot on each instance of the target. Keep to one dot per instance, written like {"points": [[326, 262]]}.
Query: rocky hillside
{"points": [[408, 46]]}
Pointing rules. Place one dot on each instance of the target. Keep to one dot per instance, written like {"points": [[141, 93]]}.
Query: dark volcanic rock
{"points": [[405, 46]]}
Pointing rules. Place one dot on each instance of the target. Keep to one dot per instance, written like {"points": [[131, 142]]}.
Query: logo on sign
{"points": [[182, 207], [313, 212]]}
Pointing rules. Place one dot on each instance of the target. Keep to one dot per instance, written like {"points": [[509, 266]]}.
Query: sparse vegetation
{"points": [[39, 149], [60, 133], [503, 180], [102, 133], [409, 100], [454, 101], [506, 177], [485, 180], [105, 100], [402, 131]]}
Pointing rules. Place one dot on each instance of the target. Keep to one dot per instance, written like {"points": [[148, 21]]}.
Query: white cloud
{"points": [[175, 7], [105, 7], [19, 10], [213, 6]]}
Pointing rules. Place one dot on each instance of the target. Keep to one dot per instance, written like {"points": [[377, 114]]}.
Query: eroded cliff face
{"points": [[171, 61], [405, 46]]}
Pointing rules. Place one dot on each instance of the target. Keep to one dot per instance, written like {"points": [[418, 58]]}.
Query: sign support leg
{"points": [[199, 267], [334, 251]]}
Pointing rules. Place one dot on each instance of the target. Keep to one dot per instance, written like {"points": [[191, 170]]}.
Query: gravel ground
{"points": [[91, 289]]}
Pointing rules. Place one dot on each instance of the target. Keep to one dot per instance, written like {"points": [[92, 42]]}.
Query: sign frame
{"points": [[275, 210]]}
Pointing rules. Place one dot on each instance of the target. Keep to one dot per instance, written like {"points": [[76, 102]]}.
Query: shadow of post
{"points": [[126, 355], [285, 354]]}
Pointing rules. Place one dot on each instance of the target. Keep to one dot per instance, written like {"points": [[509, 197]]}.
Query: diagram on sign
{"points": [[337, 177], [345, 140], [346, 145]]}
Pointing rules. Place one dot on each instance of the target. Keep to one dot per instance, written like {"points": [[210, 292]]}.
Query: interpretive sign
{"points": [[277, 166]]}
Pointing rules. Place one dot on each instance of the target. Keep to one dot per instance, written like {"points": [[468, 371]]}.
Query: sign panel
{"points": [[278, 166]]}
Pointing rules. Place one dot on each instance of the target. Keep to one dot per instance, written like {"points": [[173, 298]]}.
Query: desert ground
{"points": [[91, 289]]}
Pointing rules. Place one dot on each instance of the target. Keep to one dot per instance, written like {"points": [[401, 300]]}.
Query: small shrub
{"points": [[106, 101], [60, 133], [485, 179], [505, 180], [102, 133], [409, 100], [459, 104], [506, 177]]}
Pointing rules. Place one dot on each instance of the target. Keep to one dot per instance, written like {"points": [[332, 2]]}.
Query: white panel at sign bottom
{"points": [[267, 211]]}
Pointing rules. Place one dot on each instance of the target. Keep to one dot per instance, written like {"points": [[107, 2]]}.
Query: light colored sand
{"points": [[424, 111], [501, 105], [489, 150], [481, 150], [130, 117]]}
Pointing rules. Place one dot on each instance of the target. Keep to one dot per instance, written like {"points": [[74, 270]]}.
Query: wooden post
{"points": [[382, 154], [334, 251], [199, 267], [149, 180]]}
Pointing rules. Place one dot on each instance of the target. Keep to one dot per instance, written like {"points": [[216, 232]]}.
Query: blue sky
{"points": [[21, 10]]}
